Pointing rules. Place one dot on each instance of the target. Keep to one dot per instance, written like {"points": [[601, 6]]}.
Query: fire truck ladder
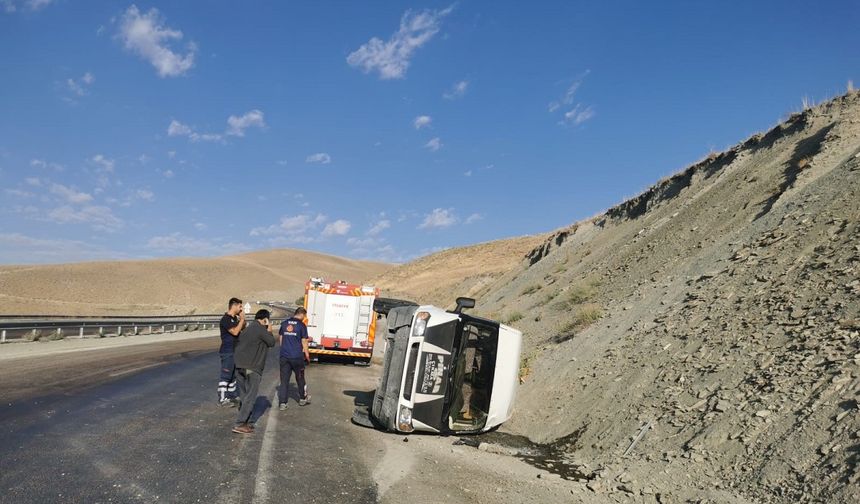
{"points": [[365, 313]]}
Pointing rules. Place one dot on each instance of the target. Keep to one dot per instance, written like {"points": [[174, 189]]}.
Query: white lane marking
{"points": [[264, 463], [132, 370]]}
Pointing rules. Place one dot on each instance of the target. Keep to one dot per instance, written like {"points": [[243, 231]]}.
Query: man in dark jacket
{"points": [[250, 355]]}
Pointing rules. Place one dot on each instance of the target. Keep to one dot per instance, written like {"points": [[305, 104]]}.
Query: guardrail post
{"points": [[101, 332], [136, 331], [59, 333], [174, 327], [3, 336], [81, 333], [150, 329], [119, 331]]}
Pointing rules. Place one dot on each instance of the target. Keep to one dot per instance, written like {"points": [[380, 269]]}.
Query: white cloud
{"points": [[145, 195], [391, 58], [200, 226], [18, 193], [80, 86], [439, 218], [33, 181], [292, 225], [578, 114], [475, 217], [69, 194], [168, 174], [148, 37], [458, 90], [467, 173], [104, 163], [379, 227], [11, 6], [16, 248], [339, 227], [302, 228], [238, 125], [42, 164], [567, 99], [176, 128], [98, 217], [434, 144], [319, 157], [178, 243], [422, 121]]}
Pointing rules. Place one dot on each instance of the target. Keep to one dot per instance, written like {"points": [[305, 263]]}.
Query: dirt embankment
{"points": [[169, 286], [717, 314]]}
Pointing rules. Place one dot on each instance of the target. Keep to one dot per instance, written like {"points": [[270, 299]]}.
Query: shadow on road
{"points": [[261, 406], [361, 397]]}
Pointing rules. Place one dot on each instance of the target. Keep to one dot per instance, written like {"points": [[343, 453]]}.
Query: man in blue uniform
{"points": [[293, 336], [232, 324]]}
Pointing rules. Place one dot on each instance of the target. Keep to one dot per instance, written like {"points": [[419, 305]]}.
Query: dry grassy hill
{"points": [[440, 278], [169, 286], [718, 313]]}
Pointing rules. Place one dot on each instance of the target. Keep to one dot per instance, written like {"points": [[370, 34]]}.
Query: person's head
{"points": [[262, 316], [234, 306], [300, 313]]}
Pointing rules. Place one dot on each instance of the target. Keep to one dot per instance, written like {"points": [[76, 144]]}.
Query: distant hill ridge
{"points": [[170, 286]]}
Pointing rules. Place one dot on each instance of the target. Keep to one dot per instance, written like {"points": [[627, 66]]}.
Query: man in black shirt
{"points": [[232, 324], [251, 351]]}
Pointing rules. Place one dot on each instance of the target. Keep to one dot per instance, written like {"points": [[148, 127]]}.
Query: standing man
{"points": [[232, 324], [251, 349], [293, 337]]}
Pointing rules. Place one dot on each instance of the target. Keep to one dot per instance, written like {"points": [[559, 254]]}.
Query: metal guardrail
{"points": [[52, 327], [30, 328]]}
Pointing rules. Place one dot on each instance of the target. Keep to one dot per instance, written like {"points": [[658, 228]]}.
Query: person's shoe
{"points": [[282, 406], [227, 403], [305, 401], [243, 429]]}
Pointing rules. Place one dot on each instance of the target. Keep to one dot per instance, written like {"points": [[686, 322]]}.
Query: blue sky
{"points": [[382, 130]]}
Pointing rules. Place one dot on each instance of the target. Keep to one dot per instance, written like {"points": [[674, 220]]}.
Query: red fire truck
{"points": [[341, 321]]}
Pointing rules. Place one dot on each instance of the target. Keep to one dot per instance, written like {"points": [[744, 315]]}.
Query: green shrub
{"points": [[583, 316], [513, 317]]}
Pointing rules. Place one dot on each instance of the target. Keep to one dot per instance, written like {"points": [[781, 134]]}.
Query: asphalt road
{"points": [[149, 430]]}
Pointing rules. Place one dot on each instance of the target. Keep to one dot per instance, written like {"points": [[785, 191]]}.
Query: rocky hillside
{"points": [[715, 317], [169, 286]]}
